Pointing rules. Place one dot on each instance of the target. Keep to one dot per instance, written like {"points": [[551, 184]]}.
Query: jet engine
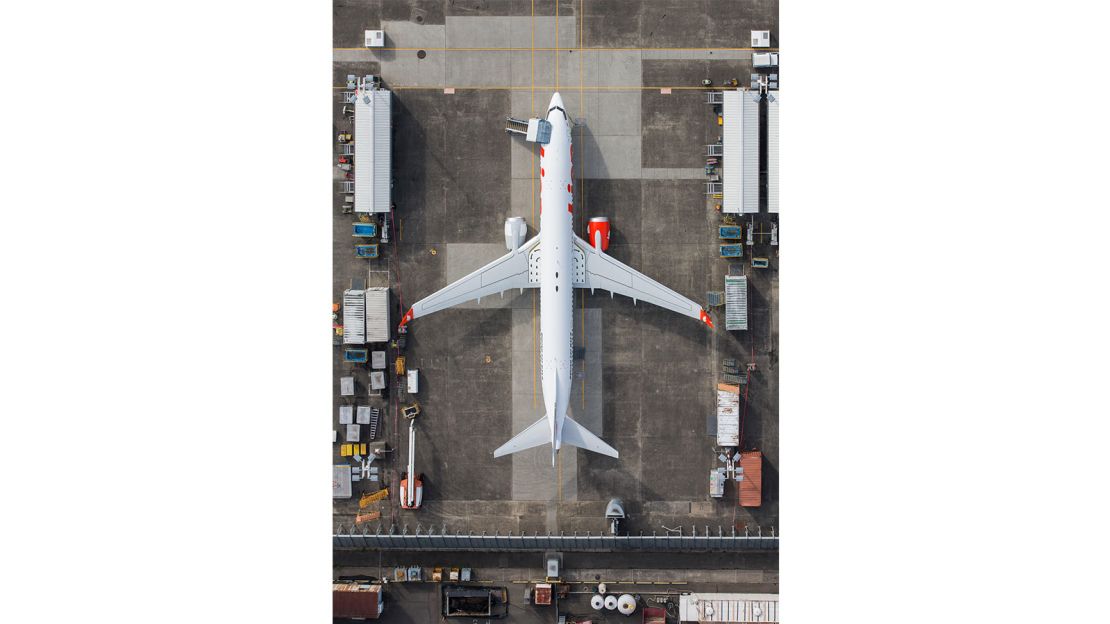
{"points": [[598, 232], [515, 231]]}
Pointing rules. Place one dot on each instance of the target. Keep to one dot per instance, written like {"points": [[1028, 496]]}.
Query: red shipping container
{"points": [[356, 600], [751, 487]]}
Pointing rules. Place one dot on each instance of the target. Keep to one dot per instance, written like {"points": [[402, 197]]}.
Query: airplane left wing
{"points": [[507, 272], [604, 272]]}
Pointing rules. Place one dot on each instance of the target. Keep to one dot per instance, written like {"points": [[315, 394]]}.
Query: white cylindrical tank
{"points": [[610, 602], [601, 588], [597, 602], [626, 604], [515, 231]]}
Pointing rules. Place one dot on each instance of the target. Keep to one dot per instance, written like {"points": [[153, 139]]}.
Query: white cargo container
{"points": [[341, 481], [374, 38], [712, 607], [354, 317], [736, 302], [414, 380], [728, 415], [377, 315], [377, 380]]}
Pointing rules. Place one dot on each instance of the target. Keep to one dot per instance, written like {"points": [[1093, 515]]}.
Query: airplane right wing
{"points": [[604, 272], [507, 272]]}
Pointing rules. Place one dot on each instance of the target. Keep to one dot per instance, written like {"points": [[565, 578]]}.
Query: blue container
{"points": [[365, 230], [357, 356], [733, 232], [732, 251], [366, 251]]}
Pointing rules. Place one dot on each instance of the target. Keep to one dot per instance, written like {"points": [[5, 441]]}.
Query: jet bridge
{"points": [[741, 152], [372, 148], [534, 130]]}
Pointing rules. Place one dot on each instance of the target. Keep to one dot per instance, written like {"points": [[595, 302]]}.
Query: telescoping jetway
{"points": [[372, 165], [773, 153], [740, 167]]}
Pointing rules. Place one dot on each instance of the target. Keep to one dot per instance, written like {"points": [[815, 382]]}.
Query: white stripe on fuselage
{"points": [[556, 268]]}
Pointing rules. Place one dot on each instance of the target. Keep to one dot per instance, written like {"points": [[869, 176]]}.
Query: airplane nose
{"points": [[556, 100]]}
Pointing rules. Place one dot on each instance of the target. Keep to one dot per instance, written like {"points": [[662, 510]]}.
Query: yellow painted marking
{"points": [[532, 104], [581, 21], [556, 45]]}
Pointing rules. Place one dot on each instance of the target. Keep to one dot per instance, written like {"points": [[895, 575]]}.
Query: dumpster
{"points": [[731, 232], [366, 251], [654, 615], [364, 230], [356, 356], [732, 251]]}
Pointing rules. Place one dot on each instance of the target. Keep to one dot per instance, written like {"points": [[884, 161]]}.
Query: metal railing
{"points": [[433, 539]]}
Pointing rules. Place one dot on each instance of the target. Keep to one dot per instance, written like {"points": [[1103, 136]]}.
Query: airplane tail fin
{"points": [[538, 433], [575, 434]]}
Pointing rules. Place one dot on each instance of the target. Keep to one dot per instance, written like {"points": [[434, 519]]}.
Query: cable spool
{"points": [[597, 602], [610, 602], [626, 604]]}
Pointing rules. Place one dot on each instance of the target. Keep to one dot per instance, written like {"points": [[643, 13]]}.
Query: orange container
{"points": [[751, 487]]}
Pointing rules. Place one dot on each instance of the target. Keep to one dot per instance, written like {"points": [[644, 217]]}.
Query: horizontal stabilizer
{"points": [[537, 434], [575, 434]]}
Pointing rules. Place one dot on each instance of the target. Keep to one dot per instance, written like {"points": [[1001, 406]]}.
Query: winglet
{"points": [[705, 317], [408, 317]]}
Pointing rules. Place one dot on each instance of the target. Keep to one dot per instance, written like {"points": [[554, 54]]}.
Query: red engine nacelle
{"points": [[598, 230]]}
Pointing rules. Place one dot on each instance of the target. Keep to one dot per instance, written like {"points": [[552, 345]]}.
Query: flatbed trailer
{"points": [[475, 601]]}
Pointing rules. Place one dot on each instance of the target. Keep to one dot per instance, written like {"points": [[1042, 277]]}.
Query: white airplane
{"points": [[557, 261]]}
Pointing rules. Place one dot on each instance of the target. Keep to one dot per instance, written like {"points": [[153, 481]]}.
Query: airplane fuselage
{"points": [[556, 261], [556, 270]]}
